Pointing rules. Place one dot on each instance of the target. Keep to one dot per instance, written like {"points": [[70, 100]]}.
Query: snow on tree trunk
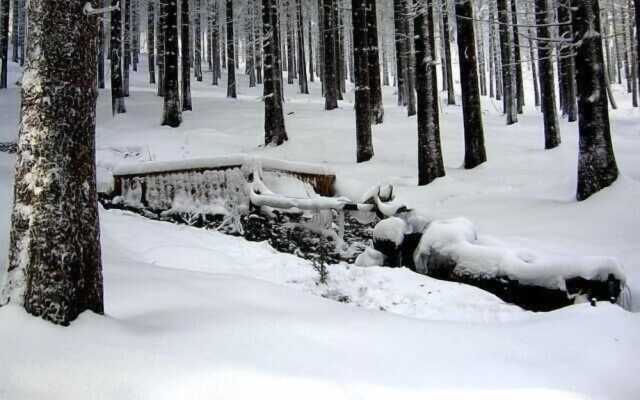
{"points": [[117, 94], [186, 57], [362, 92], [4, 42], [547, 78], [55, 268], [172, 111], [375, 86], [430, 163], [597, 166], [274, 128], [231, 63], [475, 153]]}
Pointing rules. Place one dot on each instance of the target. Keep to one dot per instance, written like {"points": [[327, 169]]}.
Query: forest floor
{"points": [[195, 314]]}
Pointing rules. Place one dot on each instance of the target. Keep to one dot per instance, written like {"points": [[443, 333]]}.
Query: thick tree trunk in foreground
{"points": [[172, 112], [597, 166], [231, 63], [275, 133], [430, 163], [375, 86], [547, 79], [361, 61], [117, 95], [55, 270], [475, 153], [4, 42], [186, 57]]}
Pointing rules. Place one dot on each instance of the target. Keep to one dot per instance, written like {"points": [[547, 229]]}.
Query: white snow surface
{"points": [[391, 229], [197, 315]]}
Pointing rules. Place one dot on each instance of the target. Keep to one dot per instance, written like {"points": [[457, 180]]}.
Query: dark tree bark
{"points": [[231, 64], [637, 9], [186, 57], [517, 58], [567, 65], [135, 35], [361, 64], [401, 51], [291, 70], [117, 94], [329, 81], [410, 58], [14, 28], [430, 163], [172, 112], [311, 60], [160, 42], [22, 10], [597, 166], [126, 38], [4, 42], [257, 45], [375, 86], [215, 54], [547, 79], [506, 48], [100, 49], [451, 94], [197, 36], [55, 270], [475, 153], [275, 133], [302, 63], [151, 33]]}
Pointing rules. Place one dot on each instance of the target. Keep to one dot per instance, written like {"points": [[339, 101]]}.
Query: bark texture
{"points": [[362, 93], [172, 112], [55, 269]]}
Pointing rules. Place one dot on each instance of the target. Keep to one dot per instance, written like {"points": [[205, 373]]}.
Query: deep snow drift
{"points": [[195, 314]]}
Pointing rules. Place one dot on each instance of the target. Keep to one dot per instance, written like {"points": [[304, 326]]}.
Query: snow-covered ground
{"points": [[195, 314]]}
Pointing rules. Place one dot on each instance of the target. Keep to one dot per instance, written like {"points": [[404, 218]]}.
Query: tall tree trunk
{"points": [[362, 91], [126, 4], [197, 46], [4, 42], [55, 269], [135, 35], [172, 112], [401, 51], [475, 153], [100, 49], [330, 74], [22, 11], [231, 63], [160, 42], [547, 78], [597, 166], [410, 57], [302, 63], [637, 9], [633, 56], [275, 133], [517, 58], [506, 49], [377, 110], [117, 94], [257, 45], [311, 60], [430, 163], [186, 57], [451, 93], [567, 66], [151, 33], [14, 29]]}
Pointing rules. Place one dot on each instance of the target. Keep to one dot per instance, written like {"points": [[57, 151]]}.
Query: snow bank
{"points": [[458, 240]]}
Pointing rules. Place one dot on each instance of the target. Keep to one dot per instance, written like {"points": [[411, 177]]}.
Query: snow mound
{"points": [[458, 240], [390, 229]]}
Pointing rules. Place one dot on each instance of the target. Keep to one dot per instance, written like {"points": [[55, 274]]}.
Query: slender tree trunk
{"points": [[547, 79], [55, 269], [361, 61], [330, 74], [616, 41], [597, 166], [126, 55], [186, 57], [135, 35], [475, 153], [377, 110], [21, 30], [257, 45], [231, 63], [302, 63], [451, 93], [410, 58], [197, 46], [517, 58], [4, 42], [633, 56], [172, 113], [311, 60], [637, 65], [117, 94], [160, 42], [100, 49], [401, 51], [275, 133], [430, 163], [567, 79], [534, 69], [151, 33], [506, 49], [14, 29]]}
